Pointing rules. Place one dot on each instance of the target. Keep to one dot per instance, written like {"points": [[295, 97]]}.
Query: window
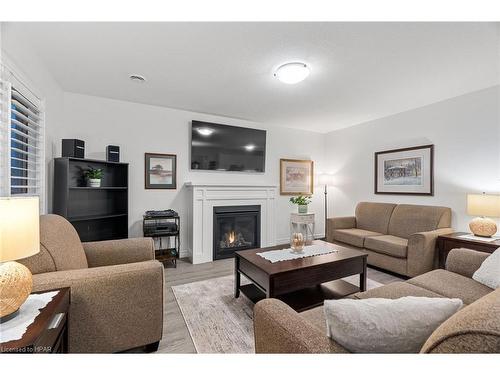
{"points": [[22, 141]]}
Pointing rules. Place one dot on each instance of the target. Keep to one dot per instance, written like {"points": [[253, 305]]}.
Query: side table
{"points": [[448, 242], [303, 223], [49, 332]]}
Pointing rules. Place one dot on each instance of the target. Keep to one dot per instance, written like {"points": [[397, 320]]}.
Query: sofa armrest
{"points": [[112, 308], [280, 329], [465, 261], [130, 250], [422, 251], [346, 222]]}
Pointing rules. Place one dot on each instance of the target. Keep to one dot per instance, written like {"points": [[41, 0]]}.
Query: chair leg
{"points": [[151, 348]]}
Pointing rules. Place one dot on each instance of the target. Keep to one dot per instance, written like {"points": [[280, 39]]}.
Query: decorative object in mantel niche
{"points": [[296, 177], [160, 171], [407, 171]]}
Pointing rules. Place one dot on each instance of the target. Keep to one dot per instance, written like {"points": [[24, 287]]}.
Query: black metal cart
{"points": [[161, 226]]}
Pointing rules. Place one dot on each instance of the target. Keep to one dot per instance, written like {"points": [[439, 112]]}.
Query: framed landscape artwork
{"points": [[160, 171], [408, 171], [296, 177]]}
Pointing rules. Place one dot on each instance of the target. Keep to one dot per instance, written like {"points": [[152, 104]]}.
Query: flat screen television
{"points": [[220, 147]]}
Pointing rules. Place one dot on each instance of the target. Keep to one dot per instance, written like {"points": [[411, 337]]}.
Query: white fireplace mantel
{"points": [[203, 199]]}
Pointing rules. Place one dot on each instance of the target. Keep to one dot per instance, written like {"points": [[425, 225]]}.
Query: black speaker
{"points": [[113, 153], [73, 148]]}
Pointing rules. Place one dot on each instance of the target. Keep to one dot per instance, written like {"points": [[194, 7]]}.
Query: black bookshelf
{"points": [[99, 213]]}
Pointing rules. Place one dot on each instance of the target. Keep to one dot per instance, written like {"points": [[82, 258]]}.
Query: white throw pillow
{"points": [[489, 272], [380, 325]]}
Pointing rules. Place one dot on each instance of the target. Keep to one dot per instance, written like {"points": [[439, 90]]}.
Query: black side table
{"points": [[160, 227], [49, 332], [448, 242]]}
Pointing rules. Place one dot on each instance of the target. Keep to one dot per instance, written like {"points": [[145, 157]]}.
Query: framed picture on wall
{"points": [[160, 171], [296, 177], [408, 171]]}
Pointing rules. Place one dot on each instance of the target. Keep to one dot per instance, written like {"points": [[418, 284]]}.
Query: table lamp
{"points": [[483, 206], [19, 238]]}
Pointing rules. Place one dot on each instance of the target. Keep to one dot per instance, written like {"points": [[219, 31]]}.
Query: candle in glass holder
{"points": [[297, 242]]}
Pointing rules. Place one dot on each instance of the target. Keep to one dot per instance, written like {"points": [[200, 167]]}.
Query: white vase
{"points": [[94, 182]]}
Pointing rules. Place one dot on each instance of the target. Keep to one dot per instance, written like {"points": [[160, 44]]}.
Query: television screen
{"points": [[220, 147]]}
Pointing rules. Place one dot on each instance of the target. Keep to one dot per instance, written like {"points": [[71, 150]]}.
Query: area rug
{"points": [[218, 322]]}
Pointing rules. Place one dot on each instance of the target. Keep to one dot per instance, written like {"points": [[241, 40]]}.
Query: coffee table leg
{"points": [[362, 277], [237, 277]]}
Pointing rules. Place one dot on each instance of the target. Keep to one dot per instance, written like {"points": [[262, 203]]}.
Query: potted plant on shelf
{"points": [[302, 201], [93, 176]]}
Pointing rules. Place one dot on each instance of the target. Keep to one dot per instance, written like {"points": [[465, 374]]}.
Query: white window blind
{"points": [[22, 140]]}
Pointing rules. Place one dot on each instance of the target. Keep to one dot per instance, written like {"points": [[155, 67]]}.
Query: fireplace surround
{"points": [[204, 197], [235, 228]]}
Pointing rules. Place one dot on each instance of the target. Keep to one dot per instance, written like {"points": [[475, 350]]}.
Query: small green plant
{"points": [[301, 200], [93, 173]]}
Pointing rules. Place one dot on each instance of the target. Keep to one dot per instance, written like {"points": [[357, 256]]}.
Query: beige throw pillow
{"points": [[379, 325]]}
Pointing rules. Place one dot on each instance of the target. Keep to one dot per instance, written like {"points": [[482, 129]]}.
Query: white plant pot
{"points": [[94, 182]]}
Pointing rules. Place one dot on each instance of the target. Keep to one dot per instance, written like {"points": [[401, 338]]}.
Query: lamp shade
{"points": [[483, 205], [19, 228], [325, 179]]}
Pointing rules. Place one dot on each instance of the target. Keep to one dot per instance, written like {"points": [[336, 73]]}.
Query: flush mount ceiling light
{"points": [[137, 78], [292, 73], [250, 147], [204, 131]]}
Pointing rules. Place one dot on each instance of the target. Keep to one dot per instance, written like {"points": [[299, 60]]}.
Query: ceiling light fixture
{"points": [[204, 131], [292, 73], [137, 78], [249, 147]]}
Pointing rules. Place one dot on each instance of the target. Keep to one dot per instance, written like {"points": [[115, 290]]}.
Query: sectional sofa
{"points": [[473, 329], [397, 237]]}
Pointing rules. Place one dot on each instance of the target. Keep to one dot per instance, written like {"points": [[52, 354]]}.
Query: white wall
{"points": [[465, 131], [139, 128], [32, 72]]}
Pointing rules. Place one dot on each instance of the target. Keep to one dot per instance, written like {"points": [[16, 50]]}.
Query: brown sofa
{"points": [[473, 329], [116, 287], [397, 237]]}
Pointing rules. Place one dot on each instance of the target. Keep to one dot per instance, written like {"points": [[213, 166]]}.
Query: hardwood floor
{"points": [[176, 337]]}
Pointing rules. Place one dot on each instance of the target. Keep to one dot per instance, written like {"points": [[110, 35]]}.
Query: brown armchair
{"points": [[116, 287]]}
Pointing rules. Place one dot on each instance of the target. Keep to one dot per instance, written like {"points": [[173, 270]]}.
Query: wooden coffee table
{"points": [[301, 283]]}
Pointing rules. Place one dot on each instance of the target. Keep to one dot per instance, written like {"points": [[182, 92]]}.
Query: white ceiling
{"points": [[359, 71]]}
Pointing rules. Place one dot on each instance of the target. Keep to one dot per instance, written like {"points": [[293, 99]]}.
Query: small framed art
{"points": [[160, 171], [296, 177]]}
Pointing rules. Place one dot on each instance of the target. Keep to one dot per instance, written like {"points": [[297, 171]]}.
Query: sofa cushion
{"points": [[355, 237], [396, 290], [407, 219], [387, 244], [451, 285], [60, 239], [474, 329], [374, 217], [316, 317]]}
